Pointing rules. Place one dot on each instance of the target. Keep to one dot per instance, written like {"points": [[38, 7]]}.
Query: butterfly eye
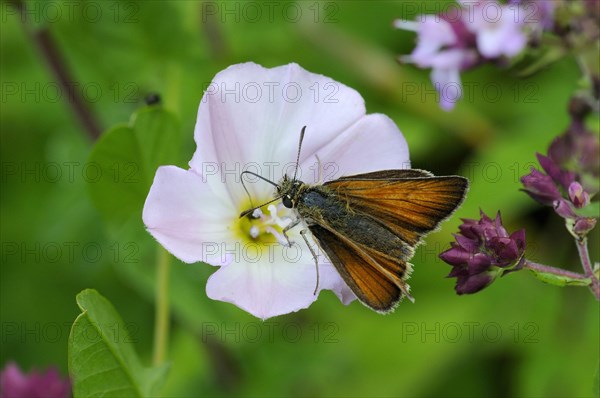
{"points": [[287, 201]]}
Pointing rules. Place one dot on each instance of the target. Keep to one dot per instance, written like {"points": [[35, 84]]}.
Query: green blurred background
{"points": [[519, 337]]}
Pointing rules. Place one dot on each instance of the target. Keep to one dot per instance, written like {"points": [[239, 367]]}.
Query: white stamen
{"points": [[270, 222], [257, 213], [280, 238], [277, 220]]}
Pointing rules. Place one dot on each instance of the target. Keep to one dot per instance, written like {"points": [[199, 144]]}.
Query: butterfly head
{"points": [[290, 190]]}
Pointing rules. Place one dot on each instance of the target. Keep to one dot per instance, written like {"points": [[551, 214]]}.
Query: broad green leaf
{"points": [[119, 185], [158, 137], [102, 361], [123, 162], [558, 280]]}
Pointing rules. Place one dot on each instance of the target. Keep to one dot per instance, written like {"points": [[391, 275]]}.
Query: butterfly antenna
{"points": [[299, 149], [246, 212], [248, 193]]}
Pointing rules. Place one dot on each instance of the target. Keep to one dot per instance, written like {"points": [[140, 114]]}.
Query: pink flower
{"points": [[16, 384], [442, 46], [450, 44], [250, 119], [499, 28]]}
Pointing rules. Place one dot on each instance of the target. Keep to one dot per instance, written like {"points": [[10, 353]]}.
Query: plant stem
{"points": [[553, 270], [161, 321], [584, 255], [51, 54]]}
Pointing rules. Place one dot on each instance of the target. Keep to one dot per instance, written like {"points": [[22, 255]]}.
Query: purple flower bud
{"points": [[564, 209], [519, 238], [583, 225], [478, 263], [540, 187], [561, 177], [579, 108], [578, 150], [467, 244], [16, 384], [482, 251], [474, 283], [505, 249], [455, 256], [468, 228], [578, 196]]}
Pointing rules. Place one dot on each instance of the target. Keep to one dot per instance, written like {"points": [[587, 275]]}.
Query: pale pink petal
{"points": [[492, 44], [187, 217], [373, 143], [498, 28], [447, 83], [451, 59], [489, 43], [434, 34], [251, 116], [266, 289]]}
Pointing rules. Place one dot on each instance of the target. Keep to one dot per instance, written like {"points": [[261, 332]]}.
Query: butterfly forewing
{"points": [[409, 205]]}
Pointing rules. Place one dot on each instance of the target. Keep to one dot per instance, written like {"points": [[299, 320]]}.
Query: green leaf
{"points": [[102, 361], [158, 136], [123, 162], [120, 183], [559, 280]]}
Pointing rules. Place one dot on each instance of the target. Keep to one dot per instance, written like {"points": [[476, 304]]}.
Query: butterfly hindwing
{"points": [[361, 271]]}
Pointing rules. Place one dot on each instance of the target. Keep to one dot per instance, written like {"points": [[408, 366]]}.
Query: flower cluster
{"points": [[570, 177], [16, 384], [483, 251], [481, 31]]}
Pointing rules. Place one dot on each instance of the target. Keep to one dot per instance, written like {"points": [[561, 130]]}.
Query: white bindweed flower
{"points": [[250, 118]]}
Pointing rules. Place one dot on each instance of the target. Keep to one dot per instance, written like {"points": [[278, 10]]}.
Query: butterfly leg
{"points": [[315, 257], [320, 174], [290, 226], [312, 251]]}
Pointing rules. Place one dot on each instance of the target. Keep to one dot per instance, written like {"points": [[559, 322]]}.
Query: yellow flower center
{"points": [[265, 225]]}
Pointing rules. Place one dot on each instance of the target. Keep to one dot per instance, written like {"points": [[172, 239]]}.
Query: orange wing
{"points": [[409, 202], [376, 279]]}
